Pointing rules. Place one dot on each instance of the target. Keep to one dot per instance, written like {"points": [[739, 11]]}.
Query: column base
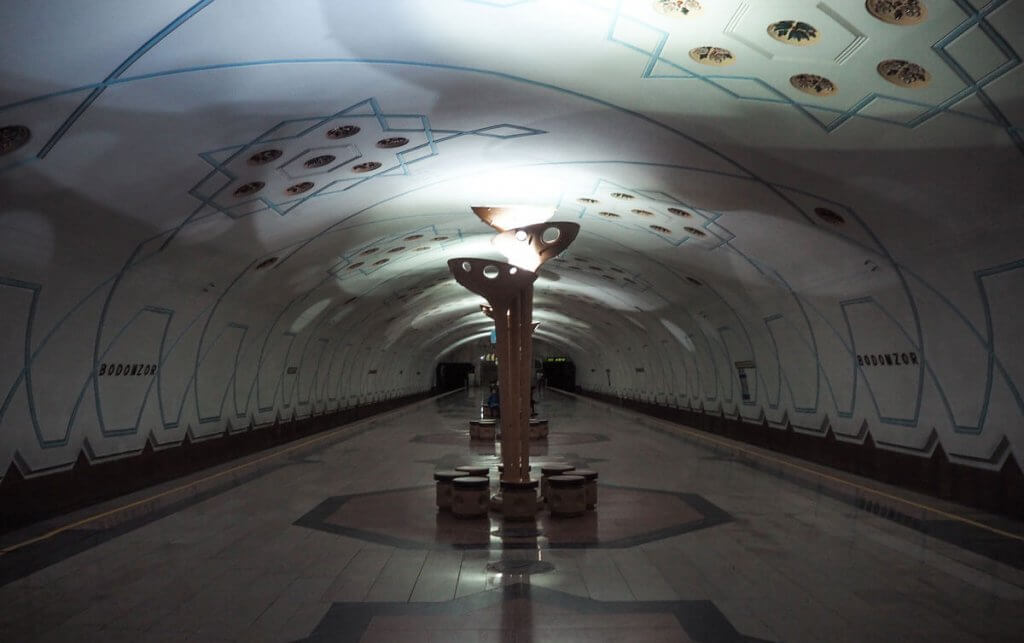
{"points": [[518, 500]]}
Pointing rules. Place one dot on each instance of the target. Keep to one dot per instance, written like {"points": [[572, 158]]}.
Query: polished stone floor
{"points": [[337, 539]]}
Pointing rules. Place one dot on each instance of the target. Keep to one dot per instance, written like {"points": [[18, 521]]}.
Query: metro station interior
{"points": [[761, 379]]}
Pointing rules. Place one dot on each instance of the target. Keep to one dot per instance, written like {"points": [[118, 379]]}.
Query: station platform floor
{"points": [[694, 538]]}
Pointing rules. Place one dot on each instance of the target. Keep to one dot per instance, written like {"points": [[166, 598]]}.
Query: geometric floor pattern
{"points": [[408, 519], [556, 439], [341, 541]]}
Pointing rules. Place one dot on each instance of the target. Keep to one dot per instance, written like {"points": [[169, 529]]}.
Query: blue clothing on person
{"points": [[493, 403]]}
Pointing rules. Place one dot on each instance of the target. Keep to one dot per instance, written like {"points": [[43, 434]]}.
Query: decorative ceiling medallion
{"points": [[618, 270], [897, 12], [679, 8], [622, 195], [793, 32], [369, 166], [439, 238], [264, 156], [266, 263], [319, 161], [610, 215], [355, 265], [343, 132], [368, 251], [249, 188], [661, 229], [299, 188], [381, 262], [813, 84], [597, 268], [695, 232], [714, 56], [694, 281], [397, 249], [829, 216], [393, 141], [679, 213], [642, 213], [904, 74], [586, 200], [422, 248], [608, 277], [413, 237]]}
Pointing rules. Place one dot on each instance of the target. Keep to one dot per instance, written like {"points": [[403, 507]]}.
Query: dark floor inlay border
{"points": [[555, 438], [406, 518], [506, 531], [519, 567], [518, 605]]}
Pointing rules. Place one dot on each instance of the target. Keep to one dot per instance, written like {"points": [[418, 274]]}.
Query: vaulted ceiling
{"points": [[246, 209]]}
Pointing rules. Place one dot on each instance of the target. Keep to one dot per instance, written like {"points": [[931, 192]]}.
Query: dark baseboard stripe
{"points": [[1000, 492], [24, 501], [864, 460]]}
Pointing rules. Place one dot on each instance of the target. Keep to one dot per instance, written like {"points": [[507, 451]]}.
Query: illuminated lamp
{"points": [[507, 217]]}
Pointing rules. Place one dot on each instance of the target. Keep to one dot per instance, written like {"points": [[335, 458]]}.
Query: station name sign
{"points": [[887, 359], [130, 370]]}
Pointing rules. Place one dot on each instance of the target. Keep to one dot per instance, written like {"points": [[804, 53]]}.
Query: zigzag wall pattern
{"points": [[225, 367], [711, 386]]}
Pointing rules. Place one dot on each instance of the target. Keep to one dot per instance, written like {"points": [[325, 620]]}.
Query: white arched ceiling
{"points": [[727, 216]]}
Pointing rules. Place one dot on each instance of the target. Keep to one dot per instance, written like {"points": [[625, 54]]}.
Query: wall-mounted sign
{"points": [[887, 359], [292, 370], [129, 370], [741, 372], [556, 359]]}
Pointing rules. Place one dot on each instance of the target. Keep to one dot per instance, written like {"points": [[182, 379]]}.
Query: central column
{"points": [[508, 288], [515, 453], [524, 329], [515, 353]]}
